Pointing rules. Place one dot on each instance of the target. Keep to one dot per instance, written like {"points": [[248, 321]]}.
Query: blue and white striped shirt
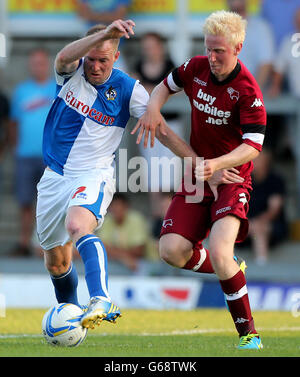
{"points": [[85, 124]]}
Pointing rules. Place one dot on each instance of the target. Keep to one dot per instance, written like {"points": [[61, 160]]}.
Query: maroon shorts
{"points": [[193, 221]]}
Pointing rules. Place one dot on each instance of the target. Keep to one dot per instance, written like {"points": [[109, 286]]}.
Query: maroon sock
{"points": [[236, 294], [200, 261]]}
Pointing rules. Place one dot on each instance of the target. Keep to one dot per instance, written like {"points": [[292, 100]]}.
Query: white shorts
{"points": [[56, 193]]}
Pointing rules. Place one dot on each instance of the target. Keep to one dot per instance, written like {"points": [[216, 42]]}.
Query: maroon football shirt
{"points": [[224, 114]]}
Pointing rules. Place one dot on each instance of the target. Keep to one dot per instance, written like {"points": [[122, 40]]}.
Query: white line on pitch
{"points": [[175, 332]]}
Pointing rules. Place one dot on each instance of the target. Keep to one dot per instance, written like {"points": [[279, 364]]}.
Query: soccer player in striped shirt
{"points": [[83, 129]]}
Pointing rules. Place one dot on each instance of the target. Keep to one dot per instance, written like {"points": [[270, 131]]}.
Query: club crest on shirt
{"points": [[234, 94], [111, 94]]}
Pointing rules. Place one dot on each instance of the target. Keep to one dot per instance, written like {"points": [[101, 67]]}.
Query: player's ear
{"points": [[238, 48], [117, 54]]}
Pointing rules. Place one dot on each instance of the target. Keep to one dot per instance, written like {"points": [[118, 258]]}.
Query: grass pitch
{"points": [[150, 333]]}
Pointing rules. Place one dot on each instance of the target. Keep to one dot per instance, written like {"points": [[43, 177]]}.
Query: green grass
{"points": [[149, 333]]}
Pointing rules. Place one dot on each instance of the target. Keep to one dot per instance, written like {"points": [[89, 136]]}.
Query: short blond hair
{"points": [[226, 24], [99, 27]]}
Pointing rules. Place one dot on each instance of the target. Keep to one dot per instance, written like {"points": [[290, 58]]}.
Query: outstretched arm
{"points": [[67, 59]]}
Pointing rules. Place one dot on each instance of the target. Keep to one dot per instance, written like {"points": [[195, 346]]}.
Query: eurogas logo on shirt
{"points": [[91, 112]]}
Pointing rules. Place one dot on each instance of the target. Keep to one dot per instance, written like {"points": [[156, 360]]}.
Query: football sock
{"points": [[200, 261], [236, 295], [93, 254], [65, 286]]}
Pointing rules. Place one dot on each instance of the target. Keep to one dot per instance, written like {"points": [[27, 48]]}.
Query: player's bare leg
{"points": [[79, 222], [58, 260], [180, 252], [221, 245], [175, 249]]}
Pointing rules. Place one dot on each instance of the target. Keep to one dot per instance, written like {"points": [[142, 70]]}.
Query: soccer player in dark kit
{"points": [[228, 121]]}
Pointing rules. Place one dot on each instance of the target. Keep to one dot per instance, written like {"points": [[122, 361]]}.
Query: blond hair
{"points": [[99, 27], [226, 24]]}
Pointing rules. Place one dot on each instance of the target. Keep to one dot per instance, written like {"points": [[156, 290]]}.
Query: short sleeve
{"points": [[138, 101], [175, 81], [253, 118], [62, 78]]}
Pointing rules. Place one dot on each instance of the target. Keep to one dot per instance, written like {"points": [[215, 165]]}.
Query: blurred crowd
{"points": [[129, 234]]}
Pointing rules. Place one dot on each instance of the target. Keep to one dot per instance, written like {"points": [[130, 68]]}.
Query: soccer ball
{"points": [[61, 325]]}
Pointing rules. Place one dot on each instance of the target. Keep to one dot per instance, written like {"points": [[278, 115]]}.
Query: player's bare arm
{"points": [[239, 156], [152, 117], [67, 59]]}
